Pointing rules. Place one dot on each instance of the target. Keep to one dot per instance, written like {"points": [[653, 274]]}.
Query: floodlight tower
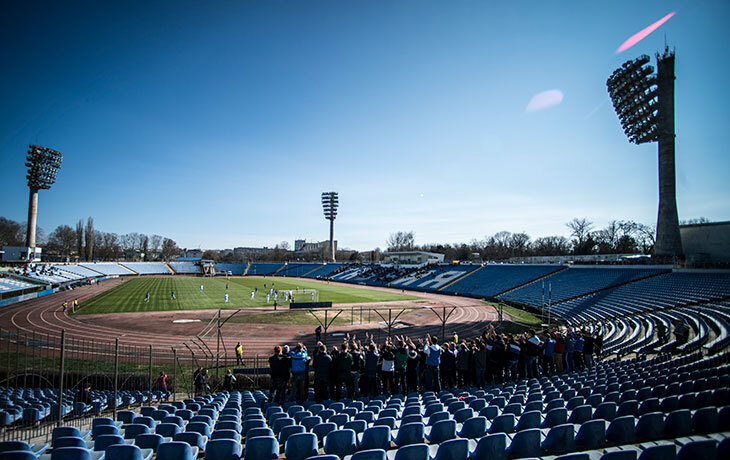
{"points": [[644, 103], [330, 202], [43, 165]]}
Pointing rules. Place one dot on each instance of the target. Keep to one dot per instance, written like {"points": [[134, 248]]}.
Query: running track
{"points": [[44, 316]]}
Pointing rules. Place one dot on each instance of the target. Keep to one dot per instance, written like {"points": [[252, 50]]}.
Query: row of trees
{"points": [[84, 242], [617, 237]]}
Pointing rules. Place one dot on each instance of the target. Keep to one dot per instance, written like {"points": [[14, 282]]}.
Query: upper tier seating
{"points": [[9, 284], [491, 280], [664, 291], [258, 268], [148, 268], [433, 277], [579, 280], [235, 269], [297, 269], [325, 270], [107, 268], [186, 268]]}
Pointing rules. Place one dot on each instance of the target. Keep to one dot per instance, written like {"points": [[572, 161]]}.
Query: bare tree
{"points": [[156, 242], [169, 249], [581, 231], [89, 237], [62, 240], [519, 244], [145, 246], [401, 241], [11, 233]]}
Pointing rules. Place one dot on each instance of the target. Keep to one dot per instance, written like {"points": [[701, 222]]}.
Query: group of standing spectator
{"points": [[400, 365]]}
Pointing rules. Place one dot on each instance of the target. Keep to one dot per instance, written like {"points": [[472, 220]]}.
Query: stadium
{"points": [[611, 345]]}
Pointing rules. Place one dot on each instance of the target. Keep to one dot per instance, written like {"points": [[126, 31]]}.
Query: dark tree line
{"points": [[617, 237], [85, 243]]}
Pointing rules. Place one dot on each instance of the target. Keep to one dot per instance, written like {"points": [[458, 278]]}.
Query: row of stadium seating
{"points": [[635, 409], [9, 285]]}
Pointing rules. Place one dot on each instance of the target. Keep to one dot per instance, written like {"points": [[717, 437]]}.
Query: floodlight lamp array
{"points": [[330, 202], [43, 165], [633, 91]]}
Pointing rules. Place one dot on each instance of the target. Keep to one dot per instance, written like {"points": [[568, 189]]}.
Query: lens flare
{"points": [[637, 37], [544, 100]]}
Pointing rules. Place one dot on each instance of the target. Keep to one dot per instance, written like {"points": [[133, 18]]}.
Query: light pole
{"points": [[644, 103], [43, 165], [330, 203]]}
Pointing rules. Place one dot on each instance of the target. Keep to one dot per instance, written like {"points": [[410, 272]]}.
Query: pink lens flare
{"points": [[544, 100], [637, 37]]}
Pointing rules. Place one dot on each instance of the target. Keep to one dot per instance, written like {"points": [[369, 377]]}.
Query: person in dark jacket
{"points": [[463, 361], [279, 365], [343, 369], [322, 370], [371, 369]]}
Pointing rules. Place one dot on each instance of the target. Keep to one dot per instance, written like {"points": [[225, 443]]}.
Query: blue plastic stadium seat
{"points": [[659, 452], [71, 453], [503, 424], [63, 431], [491, 447], [229, 434], [705, 449], [412, 452], [193, 438], [134, 430], [410, 433], [18, 455], [559, 440], [591, 435], [261, 448], [621, 430], [230, 449], [127, 452], [375, 437], [555, 417], [105, 440], [438, 416], [358, 426], [442, 431], [705, 420], [678, 423], [340, 442], [176, 450], [629, 454], [528, 420], [525, 444], [650, 427], [475, 428], [257, 432], [300, 446], [371, 454], [454, 449]]}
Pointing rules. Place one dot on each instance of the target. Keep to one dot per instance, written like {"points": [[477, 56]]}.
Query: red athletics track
{"points": [[44, 315]]}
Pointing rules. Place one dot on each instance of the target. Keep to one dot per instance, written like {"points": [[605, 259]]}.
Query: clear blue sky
{"points": [[220, 123]]}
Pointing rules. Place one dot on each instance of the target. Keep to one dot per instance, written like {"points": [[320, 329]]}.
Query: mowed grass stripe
{"points": [[129, 297]]}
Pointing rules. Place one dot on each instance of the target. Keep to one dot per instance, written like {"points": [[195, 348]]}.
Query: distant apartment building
{"points": [[303, 246]]}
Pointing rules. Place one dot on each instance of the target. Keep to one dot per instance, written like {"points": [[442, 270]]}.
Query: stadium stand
{"points": [[107, 268], [9, 285], [257, 268], [678, 288], [47, 274], [298, 269], [491, 280], [147, 268], [638, 409], [580, 280], [235, 269], [79, 270], [185, 268], [325, 270], [433, 277]]}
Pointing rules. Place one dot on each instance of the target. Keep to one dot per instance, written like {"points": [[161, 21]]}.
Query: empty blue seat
{"points": [[103, 429], [591, 435], [311, 421], [555, 417], [105, 440], [605, 411], [410, 433], [525, 444], [375, 437], [340, 443], [323, 429], [678, 423], [358, 426], [167, 430], [19, 455], [503, 424], [63, 431], [454, 449], [704, 449], [474, 428], [300, 446], [174, 419], [491, 447], [69, 441], [193, 438], [277, 426], [650, 427], [705, 420], [229, 434], [261, 448], [659, 452], [288, 431], [438, 416], [490, 412], [148, 441], [621, 430], [371, 454], [442, 431], [528, 420], [580, 414], [412, 452], [70, 453], [127, 452], [230, 449], [559, 440]]}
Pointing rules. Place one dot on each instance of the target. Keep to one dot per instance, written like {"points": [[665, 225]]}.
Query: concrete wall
{"points": [[706, 242]]}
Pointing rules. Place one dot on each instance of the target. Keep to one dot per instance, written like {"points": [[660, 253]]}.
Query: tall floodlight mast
{"points": [[43, 165], [330, 202], [644, 103]]}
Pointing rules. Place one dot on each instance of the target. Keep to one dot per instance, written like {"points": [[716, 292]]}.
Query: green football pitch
{"points": [[130, 296]]}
